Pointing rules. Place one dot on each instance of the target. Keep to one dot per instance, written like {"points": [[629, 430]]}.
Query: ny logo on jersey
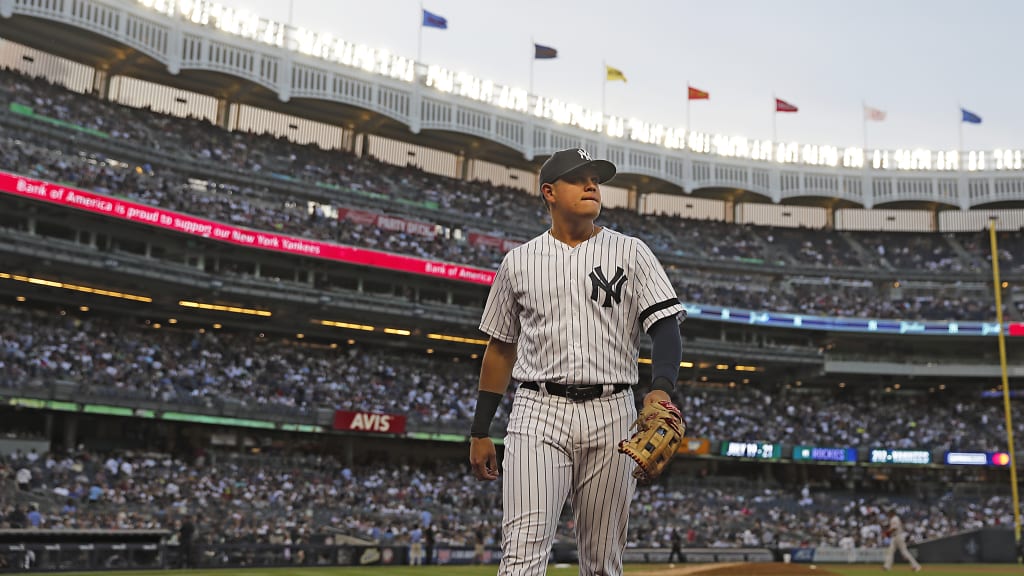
{"points": [[612, 288], [583, 155]]}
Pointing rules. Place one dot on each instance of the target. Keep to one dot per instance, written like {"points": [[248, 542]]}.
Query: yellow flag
{"points": [[614, 74]]}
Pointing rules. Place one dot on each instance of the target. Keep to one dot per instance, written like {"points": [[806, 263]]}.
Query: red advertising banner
{"points": [[358, 216], [369, 422], [396, 224], [177, 222], [389, 223], [504, 244]]}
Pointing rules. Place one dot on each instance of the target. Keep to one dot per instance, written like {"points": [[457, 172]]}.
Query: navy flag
{"points": [[969, 117], [431, 20], [544, 52]]}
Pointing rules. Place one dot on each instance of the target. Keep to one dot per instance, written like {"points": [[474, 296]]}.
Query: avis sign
{"points": [[369, 422]]}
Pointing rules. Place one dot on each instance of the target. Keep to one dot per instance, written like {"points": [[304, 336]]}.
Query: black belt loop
{"points": [[574, 393]]}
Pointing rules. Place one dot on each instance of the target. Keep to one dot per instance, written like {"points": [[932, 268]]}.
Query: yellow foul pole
{"points": [[997, 288]]}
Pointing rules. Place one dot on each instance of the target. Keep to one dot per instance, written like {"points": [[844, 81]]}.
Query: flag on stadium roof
{"points": [[969, 117], [695, 94], [874, 114], [613, 74], [431, 20], [783, 106], [541, 52]]}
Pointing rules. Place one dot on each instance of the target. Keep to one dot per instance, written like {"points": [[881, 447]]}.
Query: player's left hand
{"points": [[660, 396], [660, 429]]}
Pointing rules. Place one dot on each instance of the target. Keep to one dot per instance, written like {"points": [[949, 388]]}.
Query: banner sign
{"points": [[503, 244], [978, 458], [828, 554], [758, 450], [867, 325], [695, 446], [386, 222], [822, 454], [889, 456], [226, 233], [369, 422]]}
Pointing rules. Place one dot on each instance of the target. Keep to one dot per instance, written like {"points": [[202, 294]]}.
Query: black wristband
{"points": [[486, 405], [664, 384]]}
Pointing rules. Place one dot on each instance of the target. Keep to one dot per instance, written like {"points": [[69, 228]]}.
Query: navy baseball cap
{"points": [[565, 161]]}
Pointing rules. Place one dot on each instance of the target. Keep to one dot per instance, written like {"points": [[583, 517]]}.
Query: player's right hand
{"points": [[483, 458]]}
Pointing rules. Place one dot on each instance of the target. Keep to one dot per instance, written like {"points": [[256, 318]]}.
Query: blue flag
{"points": [[970, 117], [431, 20], [544, 52]]}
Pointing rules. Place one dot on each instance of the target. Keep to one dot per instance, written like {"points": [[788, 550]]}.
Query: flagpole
{"points": [[864, 119], [775, 118], [604, 88], [960, 138], [419, 39], [532, 58], [688, 128]]}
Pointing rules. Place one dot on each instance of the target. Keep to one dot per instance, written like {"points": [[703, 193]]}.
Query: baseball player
{"points": [[898, 540], [564, 317]]}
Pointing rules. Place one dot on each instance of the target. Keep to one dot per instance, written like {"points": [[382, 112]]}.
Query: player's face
{"points": [[577, 194]]}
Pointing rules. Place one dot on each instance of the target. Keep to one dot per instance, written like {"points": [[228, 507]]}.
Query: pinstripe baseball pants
{"points": [[556, 449]]}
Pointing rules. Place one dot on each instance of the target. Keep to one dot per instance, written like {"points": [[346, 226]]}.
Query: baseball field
{"points": [[634, 570]]}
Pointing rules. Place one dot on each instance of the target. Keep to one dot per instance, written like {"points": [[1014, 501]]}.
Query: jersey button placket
{"points": [[575, 312]]}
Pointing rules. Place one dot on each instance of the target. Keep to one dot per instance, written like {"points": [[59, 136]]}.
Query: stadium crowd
{"points": [[292, 498], [481, 208], [115, 360]]}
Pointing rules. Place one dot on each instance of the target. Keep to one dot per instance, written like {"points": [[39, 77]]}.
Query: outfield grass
{"points": [[844, 569]]}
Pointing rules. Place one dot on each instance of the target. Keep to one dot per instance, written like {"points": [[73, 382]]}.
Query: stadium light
{"points": [[459, 339], [219, 308], [74, 287], [683, 364], [346, 325]]}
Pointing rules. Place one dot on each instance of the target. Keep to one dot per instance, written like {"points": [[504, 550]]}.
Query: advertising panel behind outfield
{"points": [[369, 422], [896, 456], [756, 450], [824, 454], [695, 446]]}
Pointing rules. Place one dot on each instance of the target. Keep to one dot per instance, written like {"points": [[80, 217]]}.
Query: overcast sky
{"points": [[918, 60]]}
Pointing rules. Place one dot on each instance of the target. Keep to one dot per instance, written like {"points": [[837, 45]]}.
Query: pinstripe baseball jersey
{"points": [[583, 307]]}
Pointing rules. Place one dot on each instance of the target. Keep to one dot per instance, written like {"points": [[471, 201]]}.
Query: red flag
{"points": [[783, 106], [695, 94]]}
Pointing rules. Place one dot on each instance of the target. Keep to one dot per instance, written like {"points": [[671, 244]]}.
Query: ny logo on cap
{"points": [[583, 154], [612, 288]]}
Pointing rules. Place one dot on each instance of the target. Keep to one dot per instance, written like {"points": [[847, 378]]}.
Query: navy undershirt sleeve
{"points": [[666, 350]]}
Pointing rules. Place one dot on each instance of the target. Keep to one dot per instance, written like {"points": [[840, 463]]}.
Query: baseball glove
{"points": [[660, 429]]}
